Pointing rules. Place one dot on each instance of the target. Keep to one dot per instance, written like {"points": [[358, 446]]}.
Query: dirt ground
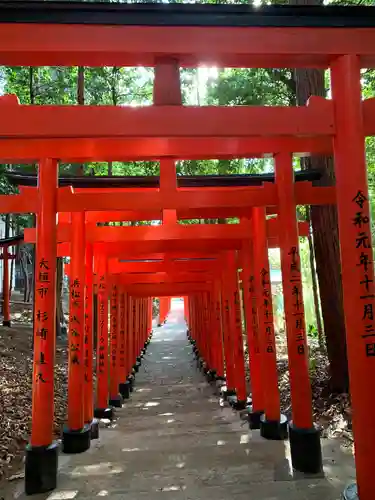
{"points": [[15, 390]]}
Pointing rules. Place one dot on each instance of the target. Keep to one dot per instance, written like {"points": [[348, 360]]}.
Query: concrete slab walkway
{"points": [[173, 441]]}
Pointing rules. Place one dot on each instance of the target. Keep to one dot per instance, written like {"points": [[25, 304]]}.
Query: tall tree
{"points": [[326, 238]]}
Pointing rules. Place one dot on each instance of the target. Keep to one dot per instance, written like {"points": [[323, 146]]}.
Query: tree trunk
{"points": [[81, 102], [326, 239], [319, 325], [23, 263]]}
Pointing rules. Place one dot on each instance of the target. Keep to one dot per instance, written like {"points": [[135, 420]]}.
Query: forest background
{"points": [[213, 86]]}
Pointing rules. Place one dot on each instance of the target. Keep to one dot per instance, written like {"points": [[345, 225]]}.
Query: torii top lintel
{"points": [[101, 34]]}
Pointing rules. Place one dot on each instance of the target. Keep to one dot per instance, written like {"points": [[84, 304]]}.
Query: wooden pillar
{"points": [[236, 332], [252, 329], [227, 336], [42, 452], [202, 329], [88, 396], [102, 409], [163, 310], [304, 438], [124, 384], [76, 436], [150, 316], [115, 399], [356, 260], [186, 310], [137, 328], [272, 425], [134, 333], [6, 298], [218, 331], [129, 334], [129, 341]]}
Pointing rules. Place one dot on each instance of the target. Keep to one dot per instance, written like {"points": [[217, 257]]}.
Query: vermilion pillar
{"points": [[186, 310], [356, 261], [76, 435], [88, 396], [252, 329], [213, 336], [203, 329], [129, 340], [136, 333], [6, 305], [124, 384], [227, 334], [133, 334], [115, 399], [102, 410], [150, 316], [41, 453], [272, 425], [201, 334], [304, 438], [162, 310], [218, 331], [236, 332]]}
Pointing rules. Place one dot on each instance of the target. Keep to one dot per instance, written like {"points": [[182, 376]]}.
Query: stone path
{"points": [[173, 441]]}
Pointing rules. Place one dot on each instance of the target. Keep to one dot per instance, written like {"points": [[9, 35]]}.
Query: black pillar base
{"points": [[238, 405], [106, 413], [211, 376], [76, 441], [159, 325], [227, 393], [124, 389], [139, 359], [94, 428], [275, 430], [131, 381], [305, 449], [116, 401], [7, 323], [41, 468], [136, 366], [254, 419], [351, 492]]}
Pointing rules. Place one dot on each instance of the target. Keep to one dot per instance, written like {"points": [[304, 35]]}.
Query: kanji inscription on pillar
{"points": [[42, 318], [298, 307], [363, 246]]}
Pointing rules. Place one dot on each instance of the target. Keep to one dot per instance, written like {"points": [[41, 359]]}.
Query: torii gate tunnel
{"points": [[124, 267]]}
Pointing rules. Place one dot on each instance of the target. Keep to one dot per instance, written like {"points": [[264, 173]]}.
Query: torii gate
{"points": [[48, 133]]}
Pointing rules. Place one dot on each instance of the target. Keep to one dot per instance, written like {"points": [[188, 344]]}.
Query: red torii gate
{"points": [[340, 125]]}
